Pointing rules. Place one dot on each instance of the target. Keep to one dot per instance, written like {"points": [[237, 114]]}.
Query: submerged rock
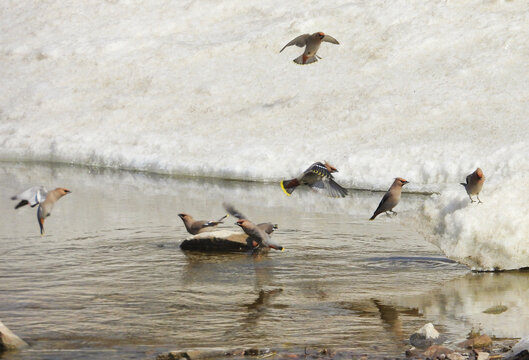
{"points": [[219, 241], [9, 341]]}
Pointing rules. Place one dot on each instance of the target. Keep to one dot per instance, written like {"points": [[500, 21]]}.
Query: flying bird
{"points": [[257, 233], [391, 198], [199, 226], [474, 184], [38, 195], [267, 227], [312, 44], [318, 177]]}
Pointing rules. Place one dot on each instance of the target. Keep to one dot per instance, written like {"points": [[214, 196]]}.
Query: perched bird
{"points": [[38, 195], [319, 177], [474, 184], [391, 198], [257, 233], [199, 226], [267, 227], [312, 44]]}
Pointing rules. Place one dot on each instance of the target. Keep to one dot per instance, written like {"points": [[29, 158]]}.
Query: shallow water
{"points": [[108, 279]]}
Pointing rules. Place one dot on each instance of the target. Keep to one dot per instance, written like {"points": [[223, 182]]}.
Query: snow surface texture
{"points": [[426, 90]]}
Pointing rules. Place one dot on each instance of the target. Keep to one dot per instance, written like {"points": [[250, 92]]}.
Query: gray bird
{"points": [[38, 195], [474, 184], [391, 198], [318, 177], [312, 44], [199, 226], [258, 233]]}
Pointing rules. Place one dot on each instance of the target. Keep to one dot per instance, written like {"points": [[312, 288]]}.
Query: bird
{"points": [[267, 227], [319, 177], [391, 198], [312, 44], [257, 233], [199, 226], [38, 195], [474, 184]]}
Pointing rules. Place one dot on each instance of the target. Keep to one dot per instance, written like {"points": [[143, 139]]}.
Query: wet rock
{"points": [[523, 355], [478, 342], [425, 337], [437, 352], [195, 354], [495, 310], [256, 352], [218, 241], [9, 341]]}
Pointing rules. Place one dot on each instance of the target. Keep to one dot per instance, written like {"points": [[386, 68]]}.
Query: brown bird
{"points": [[38, 195], [199, 226], [258, 233], [319, 177], [390, 199], [312, 44], [474, 184]]}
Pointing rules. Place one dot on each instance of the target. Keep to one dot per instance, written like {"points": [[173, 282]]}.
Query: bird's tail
{"points": [[289, 186], [374, 216], [463, 184], [222, 218], [303, 60]]}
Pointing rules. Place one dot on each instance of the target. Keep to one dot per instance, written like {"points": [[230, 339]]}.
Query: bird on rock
{"points": [[474, 184], [318, 177], [257, 233], [391, 198], [199, 226], [312, 44], [267, 227], [38, 195]]}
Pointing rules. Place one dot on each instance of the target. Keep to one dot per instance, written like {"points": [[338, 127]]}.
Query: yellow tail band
{"points": [[284, 190]]}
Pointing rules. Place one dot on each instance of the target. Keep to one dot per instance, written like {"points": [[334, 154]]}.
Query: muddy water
{"points": [[108, 279]]}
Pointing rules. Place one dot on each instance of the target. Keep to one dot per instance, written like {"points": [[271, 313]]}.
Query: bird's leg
{"points": [[471, 200], [394, 213], [479, 201], [318, 56], [387, 214]]}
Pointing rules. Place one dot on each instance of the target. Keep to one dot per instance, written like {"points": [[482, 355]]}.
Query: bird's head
{"points": [[401, 181], [63, 191], [320, 35], [184, 216], [479, 173], [329, 167]]}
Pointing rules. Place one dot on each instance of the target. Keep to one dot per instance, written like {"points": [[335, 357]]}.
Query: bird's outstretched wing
{"points": [[318, 169], [329, 38], [214, 222], [299, 41], [232, 211], [32, 196], [330, 188]]}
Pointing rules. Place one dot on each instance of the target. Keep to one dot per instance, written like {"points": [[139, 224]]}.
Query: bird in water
{"points": [[38, 195], [199, 226], [318, 177], [312, 44], [391, 198], [474, 184], [257, 233]]}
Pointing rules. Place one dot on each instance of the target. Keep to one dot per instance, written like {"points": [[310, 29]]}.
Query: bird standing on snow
{"points": [[474, 184], [312, 44], [199, 226], [38, 195], [319, 177], [391, 198], [257, 233]]}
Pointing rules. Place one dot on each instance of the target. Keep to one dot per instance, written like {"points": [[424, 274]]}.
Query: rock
{"points": [[520, 350], [218, 241], [195, 354], [481, 355], [478, 342], [455, 356], [425, 337], [495, 310], [437, 351], [9, 341]]}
